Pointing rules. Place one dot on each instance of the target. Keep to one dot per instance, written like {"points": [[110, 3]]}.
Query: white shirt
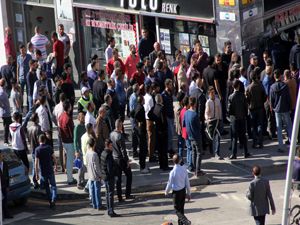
{"points": [[178, 179], [43, 115], [148, 104], [193, 86], [213, 110], [58, 110], [89, 118], [40, 42], [108, 53]]}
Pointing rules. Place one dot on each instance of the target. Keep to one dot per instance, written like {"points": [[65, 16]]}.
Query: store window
{"points": [[181, 35], [98, 26]]}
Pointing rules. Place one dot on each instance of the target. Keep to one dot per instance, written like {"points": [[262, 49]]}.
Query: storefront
{"points": [[174, 23]]}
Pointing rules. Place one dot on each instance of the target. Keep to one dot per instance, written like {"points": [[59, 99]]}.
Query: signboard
{"points": [[227, 16], [191, 8], [64, 9], [246, 2], [165, 40], [273, 4], [250, 13], [227, 2]]}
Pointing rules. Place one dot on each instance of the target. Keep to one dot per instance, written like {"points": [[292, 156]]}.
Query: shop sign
{"points": [[112, 21], [150, 5], [227, 2], [284, 19], [227, 16], [250, 13], [246, 2]]}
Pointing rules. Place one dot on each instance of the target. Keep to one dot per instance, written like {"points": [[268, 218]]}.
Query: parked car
{"points": [[19, 182]]}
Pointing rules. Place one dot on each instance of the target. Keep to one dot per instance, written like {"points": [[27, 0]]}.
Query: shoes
{"points": [[200, 173], [121, 200], [80, 187], [6, 144], [114, 215], [8, 216], [247, 155], [52, 205], [145, 171], [36, 186], [232, 157], [74, 181], [102, 207], [130, 197], [219, 157]]}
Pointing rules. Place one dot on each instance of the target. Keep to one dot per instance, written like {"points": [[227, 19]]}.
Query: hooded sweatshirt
{"points": [[17, 136], [280, 97]]}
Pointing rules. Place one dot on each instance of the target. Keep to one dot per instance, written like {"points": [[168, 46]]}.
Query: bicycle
{"points": [[294, 213]]}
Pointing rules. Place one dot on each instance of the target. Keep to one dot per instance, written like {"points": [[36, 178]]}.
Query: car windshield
{"points": [[9, 156]]}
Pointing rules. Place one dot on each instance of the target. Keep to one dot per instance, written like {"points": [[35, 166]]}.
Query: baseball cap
{"points": [[253, 56], [84, 89]]}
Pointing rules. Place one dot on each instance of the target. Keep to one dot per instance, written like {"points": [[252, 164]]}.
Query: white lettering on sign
{"points": [[153, 5], [132, 3], [143, 5], [169, 8]]}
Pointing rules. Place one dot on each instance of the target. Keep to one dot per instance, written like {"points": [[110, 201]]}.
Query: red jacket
{"points": [[66, 128]]}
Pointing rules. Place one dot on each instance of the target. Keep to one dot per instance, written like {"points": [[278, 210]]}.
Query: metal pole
{"points": [[157, 29], [288, 183]]}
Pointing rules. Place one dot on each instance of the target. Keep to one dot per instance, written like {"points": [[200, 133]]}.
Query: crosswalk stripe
{"points": [[224, 196], [17, 217]]}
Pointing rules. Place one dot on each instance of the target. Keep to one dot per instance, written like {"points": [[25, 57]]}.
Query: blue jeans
{"points": [[181, 145], [69, 149], [29, 113], [216, 144], [22, 82], [95, 190], [50, 179], [189, 154], [280, 119], [257, 124], [170, 133]]}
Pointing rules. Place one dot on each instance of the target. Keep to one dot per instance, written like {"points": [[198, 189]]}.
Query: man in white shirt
{"points": [[150, 124], [64, 38], [109, 49], [180, 185], [44, 115], [89, 116], [40, 42]]}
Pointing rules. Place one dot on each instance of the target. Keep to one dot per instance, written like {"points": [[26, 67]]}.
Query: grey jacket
{"points": [[119, 147], [260, 197], [93, 166]]}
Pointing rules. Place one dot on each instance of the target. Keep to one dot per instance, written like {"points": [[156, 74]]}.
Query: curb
{"points": [[41, 194]]}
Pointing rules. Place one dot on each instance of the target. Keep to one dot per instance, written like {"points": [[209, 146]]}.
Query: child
{"points": [[16, 96], [94, 173], [78, 132], [44, 159], [213, 116], [18, 138]]}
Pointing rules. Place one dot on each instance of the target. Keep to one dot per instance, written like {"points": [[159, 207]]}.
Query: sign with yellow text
{"points": [[246, 2], [227, 2]]}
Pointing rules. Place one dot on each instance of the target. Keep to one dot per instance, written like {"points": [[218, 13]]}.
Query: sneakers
{"points": [[200, 173], [130, 197], [232, 157], [74, 181], [114, 215], [52, 205], [145, 171]]}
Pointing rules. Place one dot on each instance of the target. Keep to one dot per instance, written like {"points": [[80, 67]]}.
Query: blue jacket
{"points": [[280, 97], [192, 124]]}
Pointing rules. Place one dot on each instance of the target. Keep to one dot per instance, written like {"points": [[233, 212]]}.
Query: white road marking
{"points": [[17, 217]]}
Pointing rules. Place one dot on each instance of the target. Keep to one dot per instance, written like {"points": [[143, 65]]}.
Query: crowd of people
{"points": [[192, 99]]}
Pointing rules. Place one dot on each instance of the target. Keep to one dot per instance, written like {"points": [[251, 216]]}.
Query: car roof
{"points": [[4, 148]]}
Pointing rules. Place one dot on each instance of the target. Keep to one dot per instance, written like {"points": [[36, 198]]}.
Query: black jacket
{"points": [[140, 118], [107, 165], [115, 106], [99, 90], [256, 96], [200, 101], [161, 124], [4, 177], [237, 106]]}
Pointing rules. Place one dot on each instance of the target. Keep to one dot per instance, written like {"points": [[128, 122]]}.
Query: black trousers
{"points": [[271, 119], [179, 201], [238, 129], [142, 140], [6, 122], [122, 167], [260, 220], [162, 147], [110, 186], [22, 154]]}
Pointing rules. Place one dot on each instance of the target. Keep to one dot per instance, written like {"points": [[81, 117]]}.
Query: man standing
{"points": [[58, 53], [145, 44], [192, 123], [131, 62], [64, 38], [102, 130], [4, 110], [226, 55], [153, 54], [253, 64], [167, 96], [115, 58], [40, 42], [85, 99], [260, 196], [99, 90], [108, 175], [238, 110], [8, 73], [31, 78], [66, 127], [132, 106], [22, 67], [180, 185], [9, 44], [281, 104], [109, 49], [121, 160], [44, 159]]}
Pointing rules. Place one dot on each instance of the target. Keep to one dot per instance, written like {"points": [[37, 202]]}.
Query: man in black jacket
{"points": [[99, 90], [108, 175], [4, 186], [115, 106], [237, 110], [140, 118], [199, 94], [121, 159]]}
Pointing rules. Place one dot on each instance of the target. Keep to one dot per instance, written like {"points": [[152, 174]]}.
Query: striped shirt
{"points": [[40, 42]]}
